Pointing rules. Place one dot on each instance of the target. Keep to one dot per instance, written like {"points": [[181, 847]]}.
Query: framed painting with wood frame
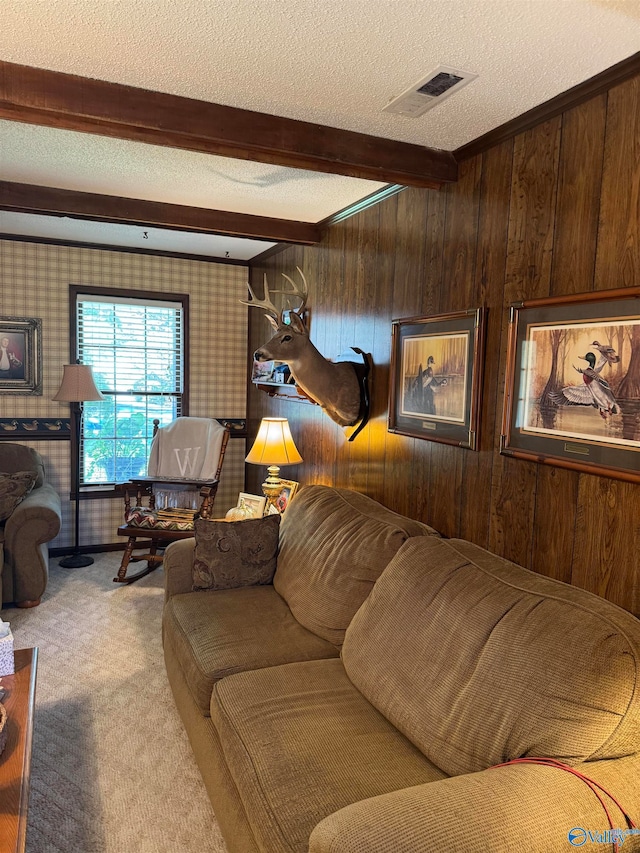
{"points": [[436, 377], [572, 394], [21, 356]]}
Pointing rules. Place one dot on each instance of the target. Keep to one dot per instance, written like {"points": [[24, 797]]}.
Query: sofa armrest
{"points": [[34, 522], [519, 807], [43, 501], [178, 567]]}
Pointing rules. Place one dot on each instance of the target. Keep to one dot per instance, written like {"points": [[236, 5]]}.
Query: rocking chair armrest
{"points": [[130, 490], [178, 567]]}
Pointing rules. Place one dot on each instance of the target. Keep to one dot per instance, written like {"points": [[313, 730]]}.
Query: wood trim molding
{"points": [[573, 97], [363, 204], [27, 198], [132, 250], [54, 99]]}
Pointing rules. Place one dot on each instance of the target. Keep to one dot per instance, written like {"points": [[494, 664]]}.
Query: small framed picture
{"points": [[255, 502], [288, 490], [262, 371], [20, 356]]}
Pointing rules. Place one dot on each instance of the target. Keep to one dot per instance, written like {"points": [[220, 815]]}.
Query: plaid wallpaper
{"points": [[34, 282]]}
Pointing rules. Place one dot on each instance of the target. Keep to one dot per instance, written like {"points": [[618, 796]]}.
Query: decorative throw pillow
{"points": [[13, 489], [230, 554]]}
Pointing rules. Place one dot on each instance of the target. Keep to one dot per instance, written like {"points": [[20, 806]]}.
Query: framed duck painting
{"points": [[572, 394], [436, 377]]}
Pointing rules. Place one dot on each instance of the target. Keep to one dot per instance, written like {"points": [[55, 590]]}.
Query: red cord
{"points": [[593, 785]]}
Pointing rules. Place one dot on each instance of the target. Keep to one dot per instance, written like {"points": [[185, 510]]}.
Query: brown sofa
{"points": [[24, 557], [361, 702]]}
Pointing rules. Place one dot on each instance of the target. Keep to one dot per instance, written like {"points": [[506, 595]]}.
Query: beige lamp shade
{"points": [[77, 385], [274, 444]]}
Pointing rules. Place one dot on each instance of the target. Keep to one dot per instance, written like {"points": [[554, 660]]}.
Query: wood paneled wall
{"points": [[555, 210]]}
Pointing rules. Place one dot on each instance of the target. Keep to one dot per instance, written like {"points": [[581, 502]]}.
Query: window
{"points": [[137, 350]]}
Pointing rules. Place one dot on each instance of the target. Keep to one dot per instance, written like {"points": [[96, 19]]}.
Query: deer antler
{"points": [[266, 303], [302, 295]]}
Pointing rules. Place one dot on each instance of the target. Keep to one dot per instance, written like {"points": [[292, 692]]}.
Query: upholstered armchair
{"points": [[25, 531]]}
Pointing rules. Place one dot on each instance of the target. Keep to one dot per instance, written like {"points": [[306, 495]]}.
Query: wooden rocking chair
{"points": [[170, 512]]}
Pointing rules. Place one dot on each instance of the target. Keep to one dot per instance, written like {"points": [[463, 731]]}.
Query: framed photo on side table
{"points": [[21, 356], [288, 490], [255, 502], [572, 395], [436, 377]]}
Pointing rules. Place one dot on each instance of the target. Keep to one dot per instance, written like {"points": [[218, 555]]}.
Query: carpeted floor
{"points": [[112, 769]]}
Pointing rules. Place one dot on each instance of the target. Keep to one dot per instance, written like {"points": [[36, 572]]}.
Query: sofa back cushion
{"points": [[478, 661], [334, 543]]}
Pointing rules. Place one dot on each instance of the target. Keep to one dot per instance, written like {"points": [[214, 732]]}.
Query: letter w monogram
{"points": [[187, 463]]}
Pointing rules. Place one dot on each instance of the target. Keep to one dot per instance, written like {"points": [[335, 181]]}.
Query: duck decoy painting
{"points": [[595, 391], [10, 426]]}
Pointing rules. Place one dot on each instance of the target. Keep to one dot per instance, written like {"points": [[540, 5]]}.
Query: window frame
{"points": [[97, 491]]}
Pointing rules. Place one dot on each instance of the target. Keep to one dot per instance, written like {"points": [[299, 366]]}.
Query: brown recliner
{"points": [[24, 558]]}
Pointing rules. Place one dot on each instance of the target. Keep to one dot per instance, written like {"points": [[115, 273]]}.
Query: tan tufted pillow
{"points": [[13, 489], [230, 554]]}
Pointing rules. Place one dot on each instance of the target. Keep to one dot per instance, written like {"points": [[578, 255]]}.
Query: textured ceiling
{"points": [[82, 161], [331, 62]]}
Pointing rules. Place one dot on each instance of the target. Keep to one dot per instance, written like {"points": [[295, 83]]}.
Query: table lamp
{"points": [[77, 387], [274, 446]]}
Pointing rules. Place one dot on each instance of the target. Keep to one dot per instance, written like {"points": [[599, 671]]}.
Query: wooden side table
{"points": [[15, 760]]}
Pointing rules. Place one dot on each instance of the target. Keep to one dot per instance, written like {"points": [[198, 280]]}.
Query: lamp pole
{"points": [[76, 560], [77, 387]]}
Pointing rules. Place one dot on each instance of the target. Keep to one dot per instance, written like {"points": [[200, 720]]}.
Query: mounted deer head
{"points": [[333, 385]]}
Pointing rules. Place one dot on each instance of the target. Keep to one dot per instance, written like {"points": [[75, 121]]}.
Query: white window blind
{"points": [[136, 349]]}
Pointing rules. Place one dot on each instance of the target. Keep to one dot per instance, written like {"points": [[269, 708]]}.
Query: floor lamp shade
{"points": [[77, 387], [274, 446]]}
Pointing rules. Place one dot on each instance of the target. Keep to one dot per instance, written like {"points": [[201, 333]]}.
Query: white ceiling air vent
{"points": [[429, 91]]}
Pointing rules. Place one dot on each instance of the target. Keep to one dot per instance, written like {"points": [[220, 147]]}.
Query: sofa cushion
{"points": [[214, 634], [235, 553], [14, 487], [19, 457], [301, 742], [334, 543], [478, 660]]}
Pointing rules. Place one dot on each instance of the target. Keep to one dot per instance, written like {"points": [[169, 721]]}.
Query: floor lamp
{"points": [[76, 388]]}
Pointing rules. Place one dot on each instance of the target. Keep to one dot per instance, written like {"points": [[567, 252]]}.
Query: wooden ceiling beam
{"points": [[54, 99], [26, 198]]}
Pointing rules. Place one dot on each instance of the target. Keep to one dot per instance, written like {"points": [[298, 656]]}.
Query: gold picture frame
{"points": [[287, 491]]}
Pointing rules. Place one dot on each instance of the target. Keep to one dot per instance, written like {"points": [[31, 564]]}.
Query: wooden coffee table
{"points": [[15, 760]]}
